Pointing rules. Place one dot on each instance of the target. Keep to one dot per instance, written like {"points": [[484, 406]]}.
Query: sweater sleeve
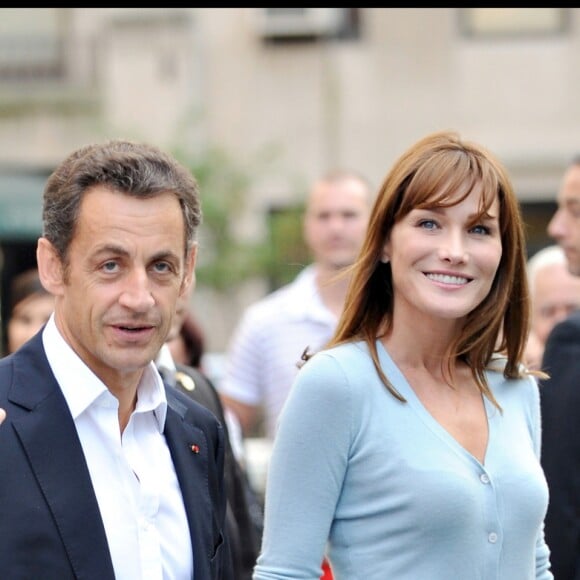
{"points": [[542, 550], [306, 472]]}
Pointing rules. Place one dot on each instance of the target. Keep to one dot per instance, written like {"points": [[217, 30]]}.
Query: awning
{"points": [[21, 205]]}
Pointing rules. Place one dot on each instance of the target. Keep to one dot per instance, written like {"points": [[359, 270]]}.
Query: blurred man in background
{"points": [[273, 333], [560, 396]]}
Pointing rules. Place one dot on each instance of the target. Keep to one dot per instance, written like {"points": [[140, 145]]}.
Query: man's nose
{"points": [[557, 225], [136, 293]]}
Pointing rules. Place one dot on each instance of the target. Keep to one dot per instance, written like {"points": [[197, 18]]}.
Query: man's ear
{"points": [[188, 282], [50, 267]]}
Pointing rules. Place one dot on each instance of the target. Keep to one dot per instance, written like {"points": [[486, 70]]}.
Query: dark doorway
{"points": [[17, 256], [537, 215]]}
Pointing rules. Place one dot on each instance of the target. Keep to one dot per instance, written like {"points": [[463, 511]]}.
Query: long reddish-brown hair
{"points": [[432, 173]]}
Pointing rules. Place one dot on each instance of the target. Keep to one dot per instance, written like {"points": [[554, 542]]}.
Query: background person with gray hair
{"points": [[554, 292]]}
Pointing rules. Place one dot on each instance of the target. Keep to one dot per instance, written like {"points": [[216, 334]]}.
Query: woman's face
{"points": [[27, 319], [444, 260]]}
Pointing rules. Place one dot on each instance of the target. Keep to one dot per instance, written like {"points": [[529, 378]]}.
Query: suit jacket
{"points": [[50, 524], [560, 399], [244, 513]]}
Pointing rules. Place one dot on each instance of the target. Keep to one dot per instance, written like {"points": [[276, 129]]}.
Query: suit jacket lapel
{"points": [[189, 451], [51, 443]]}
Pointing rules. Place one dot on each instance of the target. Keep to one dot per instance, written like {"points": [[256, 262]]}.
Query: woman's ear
{"points": [[385, 256], [50, 267]]}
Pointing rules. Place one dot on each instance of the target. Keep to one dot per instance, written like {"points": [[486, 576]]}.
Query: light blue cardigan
{"points": [[389, 492]]}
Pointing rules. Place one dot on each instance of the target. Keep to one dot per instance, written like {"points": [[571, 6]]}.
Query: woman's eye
{"points": [[484, 230], [428, 224]]}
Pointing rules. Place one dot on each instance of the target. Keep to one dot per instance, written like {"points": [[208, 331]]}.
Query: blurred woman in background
{"points": [[30, 308]]}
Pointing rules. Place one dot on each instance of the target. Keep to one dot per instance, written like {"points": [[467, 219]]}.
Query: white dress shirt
{"points": [[132, 473]]}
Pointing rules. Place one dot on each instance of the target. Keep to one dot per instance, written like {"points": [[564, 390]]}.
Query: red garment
{"points": [[326, 571]]}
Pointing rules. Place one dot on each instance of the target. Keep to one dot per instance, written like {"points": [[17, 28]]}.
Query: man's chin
{"points": [[343, 266], [574, 268], [340, 264]]}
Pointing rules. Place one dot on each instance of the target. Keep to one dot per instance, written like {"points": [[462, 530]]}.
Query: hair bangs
{"points": [[443, 180]]}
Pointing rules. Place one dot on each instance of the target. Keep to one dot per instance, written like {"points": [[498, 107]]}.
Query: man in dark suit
{"points": [[560, 399], [244, 512], [243, 515], [105, 472]]}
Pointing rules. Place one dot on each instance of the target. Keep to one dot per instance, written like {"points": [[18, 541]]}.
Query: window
{"points": [[537, 216], [31, 43], [512, 22], [291, 24]]}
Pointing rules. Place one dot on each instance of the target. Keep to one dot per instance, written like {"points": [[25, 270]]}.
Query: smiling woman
{"points": [[418, 417], [455, 244]]}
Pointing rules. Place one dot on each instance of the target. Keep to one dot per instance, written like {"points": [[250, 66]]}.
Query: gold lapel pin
{"points": [[185, 381]]}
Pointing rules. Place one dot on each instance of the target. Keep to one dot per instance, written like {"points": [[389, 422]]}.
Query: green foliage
{"points": [[224, 259], [289, 252]]}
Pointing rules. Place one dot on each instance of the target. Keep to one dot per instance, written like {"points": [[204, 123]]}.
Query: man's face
{"points": [[564, 226], [116, 300], [555, 294], [335, 222]]}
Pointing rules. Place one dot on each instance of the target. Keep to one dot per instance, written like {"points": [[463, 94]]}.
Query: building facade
{"points": [[308, 89]]}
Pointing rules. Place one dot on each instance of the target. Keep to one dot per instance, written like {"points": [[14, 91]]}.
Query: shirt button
{"points": [[492, 538], [484, 478]]}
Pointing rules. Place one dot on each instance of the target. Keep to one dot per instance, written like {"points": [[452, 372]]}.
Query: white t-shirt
{"points": [[268, 342]]}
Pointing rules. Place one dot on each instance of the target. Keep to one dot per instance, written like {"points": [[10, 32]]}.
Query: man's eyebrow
{"points": [[111, 249], [120, 251], [569, 203], [164, 255]]}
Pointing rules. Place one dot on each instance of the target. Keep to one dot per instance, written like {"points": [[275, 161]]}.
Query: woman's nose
{"points": [[453, 248]]}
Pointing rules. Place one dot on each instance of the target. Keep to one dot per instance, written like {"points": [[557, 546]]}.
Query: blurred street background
{"points": [[259, 101]]}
